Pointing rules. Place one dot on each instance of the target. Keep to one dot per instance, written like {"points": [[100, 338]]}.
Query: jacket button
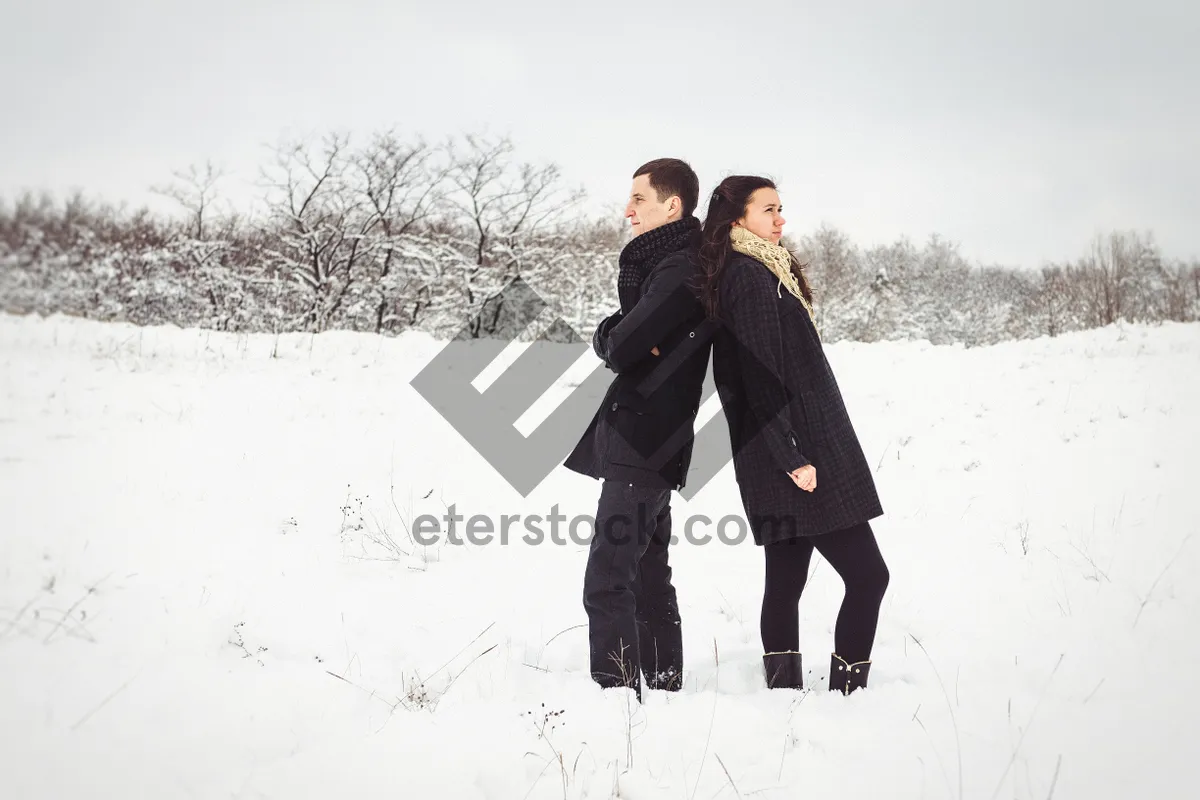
{"points": [[614, 406], [692, 335]]}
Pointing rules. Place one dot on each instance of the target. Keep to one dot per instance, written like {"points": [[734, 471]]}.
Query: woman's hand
{"points": [[805, 477]]}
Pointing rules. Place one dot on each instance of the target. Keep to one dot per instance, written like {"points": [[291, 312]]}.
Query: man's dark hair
{"points": [[671, 176]]}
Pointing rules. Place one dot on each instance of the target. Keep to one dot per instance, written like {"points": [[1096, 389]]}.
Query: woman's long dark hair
{"points": [[727, 205]]}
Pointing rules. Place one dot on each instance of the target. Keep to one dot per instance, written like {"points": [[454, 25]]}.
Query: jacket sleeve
{"points": [[752, 312], [667, 303], [601, 335]]}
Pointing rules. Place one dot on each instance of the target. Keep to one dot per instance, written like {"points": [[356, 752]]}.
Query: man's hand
{"points": [[805, 477]]}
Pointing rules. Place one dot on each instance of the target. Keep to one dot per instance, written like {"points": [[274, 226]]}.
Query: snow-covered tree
{"points": [[502, 219], [322, 230]]}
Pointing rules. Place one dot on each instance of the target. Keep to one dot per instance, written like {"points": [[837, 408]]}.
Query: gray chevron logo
{"points": [[487, 419]]}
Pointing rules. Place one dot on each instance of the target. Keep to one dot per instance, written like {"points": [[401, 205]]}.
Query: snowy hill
{"points": [[208, 588]]}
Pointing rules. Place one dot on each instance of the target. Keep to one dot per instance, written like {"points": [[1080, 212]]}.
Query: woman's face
{"points": [[763, 215]]}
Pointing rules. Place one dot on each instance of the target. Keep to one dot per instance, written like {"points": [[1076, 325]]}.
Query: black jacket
{"points": [[785, 410], [643, 431]]}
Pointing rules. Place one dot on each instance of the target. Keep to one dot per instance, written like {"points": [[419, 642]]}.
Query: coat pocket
{"points": [[633, 421], [813, 419]]}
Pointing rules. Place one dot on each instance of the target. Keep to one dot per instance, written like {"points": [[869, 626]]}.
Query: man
{"points": [[640, 440]]}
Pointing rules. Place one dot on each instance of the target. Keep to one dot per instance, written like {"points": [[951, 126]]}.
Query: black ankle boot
{"points": [[783, 670], [845, 677]]}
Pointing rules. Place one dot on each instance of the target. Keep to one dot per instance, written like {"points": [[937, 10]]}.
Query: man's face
{"points": [[645, 211]]}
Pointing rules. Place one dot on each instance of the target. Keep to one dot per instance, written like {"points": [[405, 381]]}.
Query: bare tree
{"points": [[502, 222], [323, 227], [1105, 276], [208, 236], [889, 312], [1193, 271], [196, 191], [1054, 300], [401, 186], [1047, 303], [1178, 292], [840, 289]]}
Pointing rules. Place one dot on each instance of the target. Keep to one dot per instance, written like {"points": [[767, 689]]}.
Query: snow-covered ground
{"points": [[207, 589]]}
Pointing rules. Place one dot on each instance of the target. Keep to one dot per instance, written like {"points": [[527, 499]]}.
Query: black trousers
{"points": [[633, 613], [854, 555]]}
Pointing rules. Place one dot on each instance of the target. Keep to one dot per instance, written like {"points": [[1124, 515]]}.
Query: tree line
{"points": [[398, 234]]}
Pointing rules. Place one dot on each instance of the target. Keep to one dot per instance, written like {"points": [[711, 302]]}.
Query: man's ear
{"points": [[675, 206]]}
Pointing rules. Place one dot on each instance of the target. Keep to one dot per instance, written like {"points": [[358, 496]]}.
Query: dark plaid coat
{"points": [[785, 410]]}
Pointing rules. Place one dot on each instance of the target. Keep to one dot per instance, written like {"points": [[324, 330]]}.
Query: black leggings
{"points": [[855, 555]]}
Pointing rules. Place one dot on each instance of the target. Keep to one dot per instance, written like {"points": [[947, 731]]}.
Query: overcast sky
{"points": [[1017, 129]]}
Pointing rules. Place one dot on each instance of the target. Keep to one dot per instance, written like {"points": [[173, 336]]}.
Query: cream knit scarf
{"points": [[773, 257]]}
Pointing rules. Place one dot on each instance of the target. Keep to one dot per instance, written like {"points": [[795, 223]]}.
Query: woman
{"points": [[803, 478]]}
